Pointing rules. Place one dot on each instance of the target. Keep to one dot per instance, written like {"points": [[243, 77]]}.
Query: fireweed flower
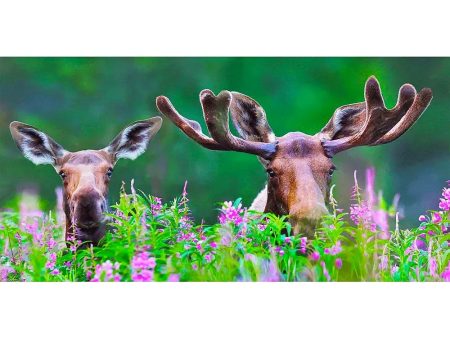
{"points": [[269, 271], [173, 277], [51, 261], [315, 256], [303, 242], [106, 272], [436, 218], [444, 203], [334, 250], [325, 271], [361, 214], [231, 214], [142, 266], [209, 257], [338, 263], [156, 206], [446, 274], [432, 266], [422, 218], [384, 263]]}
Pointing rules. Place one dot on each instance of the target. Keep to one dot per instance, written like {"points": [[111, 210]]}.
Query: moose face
{"points": [[298, 180], [299, 166], [85, 174]]}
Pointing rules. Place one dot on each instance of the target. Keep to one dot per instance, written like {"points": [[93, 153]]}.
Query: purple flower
{"points": [[142, 276], [436, 218], [51, 243], [338, 263], [213, 245], [106, 272], [444, 203], [446, 274], [315, 256], [51, 261], [142, 266], [361, 214], [143, 261], [325, 271], [432, 266], [334, 250], [287, 240], [174, 277], [156, 206], [422, 218], [384, 263], [209, 257], [394, 269], [303, 242], [279, 250], [54, 272], [231, 214], [269, 271]]}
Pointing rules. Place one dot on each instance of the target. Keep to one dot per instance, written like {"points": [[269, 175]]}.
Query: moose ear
{"points": [[133, 140], [35, 145], [250, 119]]}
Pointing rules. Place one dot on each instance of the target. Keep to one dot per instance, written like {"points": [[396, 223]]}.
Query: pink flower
{"points": [[106, 272], [432, 265], [173, 277], [422, 218], [213, 245], [384, 263], [436, 218], [287, 240], [208, 257], [338, 263], [446, 274], [232, 214], [142, 266], [142, 276], [334, 250], [315, 256], [303, 242], [361, 214], [325, 271]]}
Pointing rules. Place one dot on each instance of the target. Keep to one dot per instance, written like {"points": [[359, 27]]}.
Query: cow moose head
{"points": [[85, 174]]}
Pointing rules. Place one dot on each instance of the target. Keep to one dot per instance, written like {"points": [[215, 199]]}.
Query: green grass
{"points": [[156, 241]]}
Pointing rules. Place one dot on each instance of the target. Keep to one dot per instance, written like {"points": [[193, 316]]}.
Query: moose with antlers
{"points": [[85, 174], [299, 166]]}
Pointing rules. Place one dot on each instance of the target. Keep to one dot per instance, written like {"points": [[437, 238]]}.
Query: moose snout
{"points": [[88, 209]]}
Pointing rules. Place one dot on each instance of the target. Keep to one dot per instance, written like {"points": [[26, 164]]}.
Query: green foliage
{"points": [[154, 241]]}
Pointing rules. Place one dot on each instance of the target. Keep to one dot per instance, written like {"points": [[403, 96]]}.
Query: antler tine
{"points": [[415, 110], [215, 111], [189, 127], [381, 125]]}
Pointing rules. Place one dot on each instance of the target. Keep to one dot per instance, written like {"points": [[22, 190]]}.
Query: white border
{"points": [[225, 28]]}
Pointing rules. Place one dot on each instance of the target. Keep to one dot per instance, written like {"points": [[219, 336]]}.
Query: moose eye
{"points": [[109, 173], [62, 174], [271, 173]]}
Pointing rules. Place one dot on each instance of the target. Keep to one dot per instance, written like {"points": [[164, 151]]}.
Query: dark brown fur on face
{"points": [[299, 166], [85, 174]]}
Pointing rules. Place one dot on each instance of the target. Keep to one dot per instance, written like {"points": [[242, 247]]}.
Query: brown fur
{"points": [[299, 166]]}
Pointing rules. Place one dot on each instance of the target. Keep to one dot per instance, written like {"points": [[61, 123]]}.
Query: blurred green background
{"points": [[84, 102]]}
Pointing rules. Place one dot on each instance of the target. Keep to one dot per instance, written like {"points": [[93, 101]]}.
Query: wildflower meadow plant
{"points": [[155, 240]]}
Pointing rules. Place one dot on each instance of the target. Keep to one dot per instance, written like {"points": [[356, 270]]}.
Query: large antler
{"points": [[216, 115], [370, 122]]}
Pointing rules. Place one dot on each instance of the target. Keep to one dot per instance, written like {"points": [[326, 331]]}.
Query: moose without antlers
{"points": [[85, 174], [298, 165]]}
